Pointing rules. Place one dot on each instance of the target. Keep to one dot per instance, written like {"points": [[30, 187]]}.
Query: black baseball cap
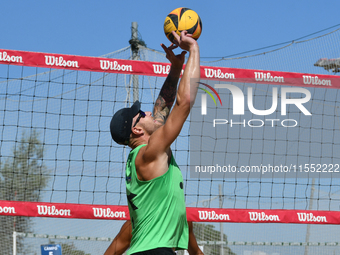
{"points": [[121, 123]]}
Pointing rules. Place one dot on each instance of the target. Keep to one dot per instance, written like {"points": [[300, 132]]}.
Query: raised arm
{"points": [[152, 161], [161, 139], [167, 94]]}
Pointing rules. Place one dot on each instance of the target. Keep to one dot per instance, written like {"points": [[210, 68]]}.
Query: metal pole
{"points": [[14, 243], [310, 208], [221, 224], [134, 46], [14, 227]]}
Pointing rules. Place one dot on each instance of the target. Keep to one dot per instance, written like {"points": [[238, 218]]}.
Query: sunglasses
{"points": [[141, 115]]}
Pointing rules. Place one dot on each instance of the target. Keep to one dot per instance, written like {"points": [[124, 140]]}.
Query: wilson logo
{"points": [[314, 80], [114, 65], [5, 57], [212, 73], [261, 76], [206, 215], [6, 209], [262, 216], [309, 217], [107, 213], [60, 61], [161, 69], [53, 211]]}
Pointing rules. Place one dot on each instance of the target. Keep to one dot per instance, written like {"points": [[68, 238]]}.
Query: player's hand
{"points": [[185, 41], [176, 61]]}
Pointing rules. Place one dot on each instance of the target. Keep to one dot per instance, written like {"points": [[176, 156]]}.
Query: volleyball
{"points": [[182, 19]]}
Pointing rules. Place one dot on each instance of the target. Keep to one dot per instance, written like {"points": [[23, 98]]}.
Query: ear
{"points": [[137, 131]]}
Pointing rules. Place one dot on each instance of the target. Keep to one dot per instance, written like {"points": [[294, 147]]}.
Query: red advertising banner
{"points": [[115, 212], [60, 210], [134, 67]]}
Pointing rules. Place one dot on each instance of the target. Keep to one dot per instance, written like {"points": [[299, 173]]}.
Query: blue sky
{"points": [[94, 28]]}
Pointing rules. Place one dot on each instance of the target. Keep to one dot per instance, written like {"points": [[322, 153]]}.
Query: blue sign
{"points": [[51, 249]]}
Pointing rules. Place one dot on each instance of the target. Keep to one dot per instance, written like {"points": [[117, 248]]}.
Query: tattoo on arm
{"points": [[166, 98]]}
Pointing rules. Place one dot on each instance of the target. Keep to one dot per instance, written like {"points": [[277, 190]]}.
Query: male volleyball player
{"points": [[122, 241], [154, 183]]}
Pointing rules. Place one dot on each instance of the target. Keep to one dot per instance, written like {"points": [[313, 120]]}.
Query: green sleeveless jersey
{"points": [[157, 208]]}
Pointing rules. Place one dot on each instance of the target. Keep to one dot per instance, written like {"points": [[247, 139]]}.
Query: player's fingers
{"points": [[173, 46], [184, 32], [176, 37], [183, 55], [167, 51], [164, 48]]}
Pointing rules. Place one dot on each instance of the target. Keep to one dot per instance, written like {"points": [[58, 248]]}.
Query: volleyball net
{"points": [[261, 144]]}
